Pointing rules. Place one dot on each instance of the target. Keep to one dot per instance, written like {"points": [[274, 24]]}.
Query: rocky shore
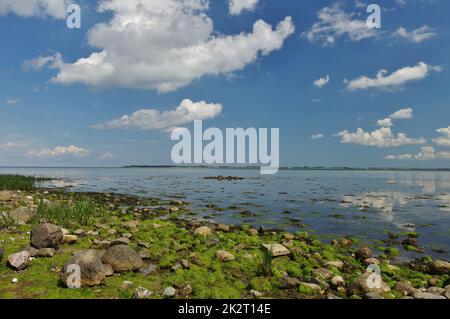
{"points": [[132, 247]]}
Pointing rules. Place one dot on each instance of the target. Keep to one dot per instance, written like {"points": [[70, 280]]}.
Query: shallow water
{"points": [[365, 204]]}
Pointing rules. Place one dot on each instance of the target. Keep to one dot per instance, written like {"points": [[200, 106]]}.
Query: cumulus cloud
{"points": [[395, 80], [317, 136], [426, 153], [444, 139], [165, 45], [416, 36], [59, 151], [382, 138], [236, 7], [402, 114], [42, 61], [34, 8], [335, 23], [151, 119], [321, 82], [11, 145]]}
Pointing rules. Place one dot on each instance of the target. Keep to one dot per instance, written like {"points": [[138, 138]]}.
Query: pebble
{"points": [[224, 256], [203, 231], [169, 292]]}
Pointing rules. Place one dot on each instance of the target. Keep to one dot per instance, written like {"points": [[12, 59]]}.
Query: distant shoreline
{"points": [[293, 168]]}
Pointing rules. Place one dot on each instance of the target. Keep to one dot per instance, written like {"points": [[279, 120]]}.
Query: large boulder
{"points": [[92, 270], [22, 215], [441, 267], [122, 259], [366, 285], [46, 236], [19, 261]]}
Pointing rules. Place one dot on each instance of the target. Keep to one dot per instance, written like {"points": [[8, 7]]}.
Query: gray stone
{"points": [[289, 282], [109, 271], [203, 231], [91, 267], [120, 241], [122, 259], [447, 292], [436, 290], [46, 236], [276, 250], [46, 252], [366, 285], [169, 292], [427, 295], [323, 273], [142, 293], [150, 269], [405, 288], [256, 294], [363, 253], [19, 261], [224, 256], [441, 267]]}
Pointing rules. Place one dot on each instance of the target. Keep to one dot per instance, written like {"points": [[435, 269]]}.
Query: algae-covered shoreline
{"points": [[137, 247]]}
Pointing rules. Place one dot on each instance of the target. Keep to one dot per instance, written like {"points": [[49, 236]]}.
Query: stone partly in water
{"points": [[276, 250], [122, 259], [203, 231], [441, 267], [224, 256], [91, 268], [46, 236], [19, 261]]}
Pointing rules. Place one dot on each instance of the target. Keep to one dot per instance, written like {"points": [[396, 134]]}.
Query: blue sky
{"points": [[64, 92]]}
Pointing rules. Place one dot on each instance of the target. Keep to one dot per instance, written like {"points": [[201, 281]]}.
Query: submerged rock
{"points": [[122, 259], [19, 261], [46, 236], [92, 270]]}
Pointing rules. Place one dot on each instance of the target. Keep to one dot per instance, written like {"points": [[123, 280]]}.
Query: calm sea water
{"points": [[366, 204]]}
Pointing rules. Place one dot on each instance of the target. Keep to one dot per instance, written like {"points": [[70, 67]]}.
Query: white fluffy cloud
{"points": [[426, 153], [444, 139], [151, 119], [34, 8], [317, 136], [59, 151], [165, 45], [416, 36], [382, 137], [394, 80], [321, 82], [402, 114], [236, 7], [42, 61], [335, 23]]}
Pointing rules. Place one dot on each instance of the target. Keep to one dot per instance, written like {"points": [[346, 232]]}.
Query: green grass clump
{"points": [[18, 182], [82, 212]]}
